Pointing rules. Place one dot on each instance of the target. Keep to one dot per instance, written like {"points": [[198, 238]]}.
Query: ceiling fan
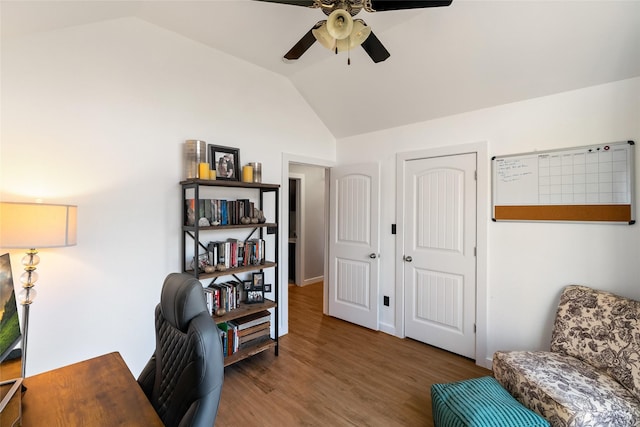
{"points": [[340, 32]]}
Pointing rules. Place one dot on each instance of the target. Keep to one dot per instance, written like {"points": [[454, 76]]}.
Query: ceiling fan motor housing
{"points": [[353, 7]]}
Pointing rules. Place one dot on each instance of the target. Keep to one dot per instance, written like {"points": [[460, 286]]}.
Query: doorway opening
{"points": [[296, 223], [290, 165], [307, 224]]}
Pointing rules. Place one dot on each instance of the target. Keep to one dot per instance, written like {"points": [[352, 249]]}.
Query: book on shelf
{"points": [[225, 295], [228, 336], [252, 319], [218, 211], [256, 335], [239, 336], [233, 253], [253, 329], [210, 299]]}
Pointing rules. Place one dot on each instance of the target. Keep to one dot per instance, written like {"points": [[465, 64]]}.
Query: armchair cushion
{"points": [[565, 390], [601, 329]]}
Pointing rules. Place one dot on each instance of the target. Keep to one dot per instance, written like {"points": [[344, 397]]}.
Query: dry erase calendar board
{"points": [[589, 183]]}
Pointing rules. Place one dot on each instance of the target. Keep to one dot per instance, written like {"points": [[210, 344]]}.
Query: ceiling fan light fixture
{"points": [[322, 35], [359, 34], [340, 24]]}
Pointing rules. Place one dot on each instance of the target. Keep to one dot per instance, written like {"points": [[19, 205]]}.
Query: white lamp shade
{"points": [[322, 35], [37, 225], [340, 24], [359, 34]]}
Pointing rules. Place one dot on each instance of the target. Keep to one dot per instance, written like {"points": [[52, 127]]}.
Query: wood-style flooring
{"points": [[334, 373]]}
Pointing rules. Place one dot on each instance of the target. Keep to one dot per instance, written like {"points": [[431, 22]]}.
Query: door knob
{"points": [[408, 259], [373, 256]]}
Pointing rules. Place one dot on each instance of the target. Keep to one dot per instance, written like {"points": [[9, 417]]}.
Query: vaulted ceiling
{"points": [[471, 55]]}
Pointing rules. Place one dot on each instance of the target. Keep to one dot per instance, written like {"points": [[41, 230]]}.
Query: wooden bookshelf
{"points": [[196, 236]]}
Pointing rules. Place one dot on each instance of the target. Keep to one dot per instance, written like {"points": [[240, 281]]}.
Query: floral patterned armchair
{"points": [[591, 376]]}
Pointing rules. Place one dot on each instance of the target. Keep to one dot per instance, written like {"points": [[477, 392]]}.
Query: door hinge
{"points": [[474, 328], [475, 251], [475, 175]]}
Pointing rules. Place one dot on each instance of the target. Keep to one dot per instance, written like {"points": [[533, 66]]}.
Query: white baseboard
{"points": [[488, 363], [387, 329], [312, 280]]}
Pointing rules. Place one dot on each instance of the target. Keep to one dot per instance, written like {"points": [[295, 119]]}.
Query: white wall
{"points": [[528, 263], [97, 116], [314, 221]]}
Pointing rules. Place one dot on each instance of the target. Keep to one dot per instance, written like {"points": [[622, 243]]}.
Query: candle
{"points": [[257, 171], [203, 170], [212, 174], [247, 173]]}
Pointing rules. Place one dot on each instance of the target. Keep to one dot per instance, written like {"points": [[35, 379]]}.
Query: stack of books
{"points": [[225, 295], [234, 253], [245, 332], [218, 211]]}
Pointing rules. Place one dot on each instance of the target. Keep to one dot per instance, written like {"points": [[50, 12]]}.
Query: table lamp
{"points": [[31, 226]]}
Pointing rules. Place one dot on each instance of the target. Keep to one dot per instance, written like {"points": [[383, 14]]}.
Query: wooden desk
{"points": [[96, 392]]}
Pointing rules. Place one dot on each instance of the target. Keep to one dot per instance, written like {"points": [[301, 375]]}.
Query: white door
{"points": [[354, 244], [439, 252]]}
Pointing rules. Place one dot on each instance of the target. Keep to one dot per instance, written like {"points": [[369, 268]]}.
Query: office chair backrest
{"points": [[183, 379]]}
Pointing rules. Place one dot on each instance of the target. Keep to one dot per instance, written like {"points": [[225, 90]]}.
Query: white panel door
{"points": [[354, 244], [439, 253]]}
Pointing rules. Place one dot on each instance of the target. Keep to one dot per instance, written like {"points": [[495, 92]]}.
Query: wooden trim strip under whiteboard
{"points": [[612, 213]]}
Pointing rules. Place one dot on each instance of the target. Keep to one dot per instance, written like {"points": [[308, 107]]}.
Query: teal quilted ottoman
{"points": [[479, 402]]}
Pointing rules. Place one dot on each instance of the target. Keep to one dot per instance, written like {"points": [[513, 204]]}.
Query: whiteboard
{"points": [[588, 183]]}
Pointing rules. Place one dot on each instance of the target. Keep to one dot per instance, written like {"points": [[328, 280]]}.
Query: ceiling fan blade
{"points": [[382, 5], [306, 3], [375, 49], [303, 44]]}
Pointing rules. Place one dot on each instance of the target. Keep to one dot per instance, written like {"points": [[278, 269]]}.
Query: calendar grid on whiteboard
{"points": [[598, 175]]}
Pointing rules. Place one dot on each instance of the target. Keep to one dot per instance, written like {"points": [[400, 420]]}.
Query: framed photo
{"points": [[254, 297], [267, 287], [225, 161], [247, 285], [255, 293], [258, 281]]}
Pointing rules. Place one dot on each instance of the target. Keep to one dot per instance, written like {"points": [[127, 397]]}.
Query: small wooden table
{"points": [[96, 392]]}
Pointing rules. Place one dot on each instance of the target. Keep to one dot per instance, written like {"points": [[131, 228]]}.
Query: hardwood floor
{"points": [[333, 373]]}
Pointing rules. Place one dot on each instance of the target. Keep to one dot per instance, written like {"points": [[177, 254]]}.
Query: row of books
{"points": [[225, 295], [234, 253], [244, 332], [218, 211]]}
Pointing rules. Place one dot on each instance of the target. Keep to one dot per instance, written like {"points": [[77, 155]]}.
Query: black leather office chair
{"points": [[183, 379]]}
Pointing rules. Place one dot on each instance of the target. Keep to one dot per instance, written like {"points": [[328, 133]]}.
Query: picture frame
{"points": [[267, 288], [247, 285], [255, 294], [225, 161], [257, 280], [254, 297]]}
